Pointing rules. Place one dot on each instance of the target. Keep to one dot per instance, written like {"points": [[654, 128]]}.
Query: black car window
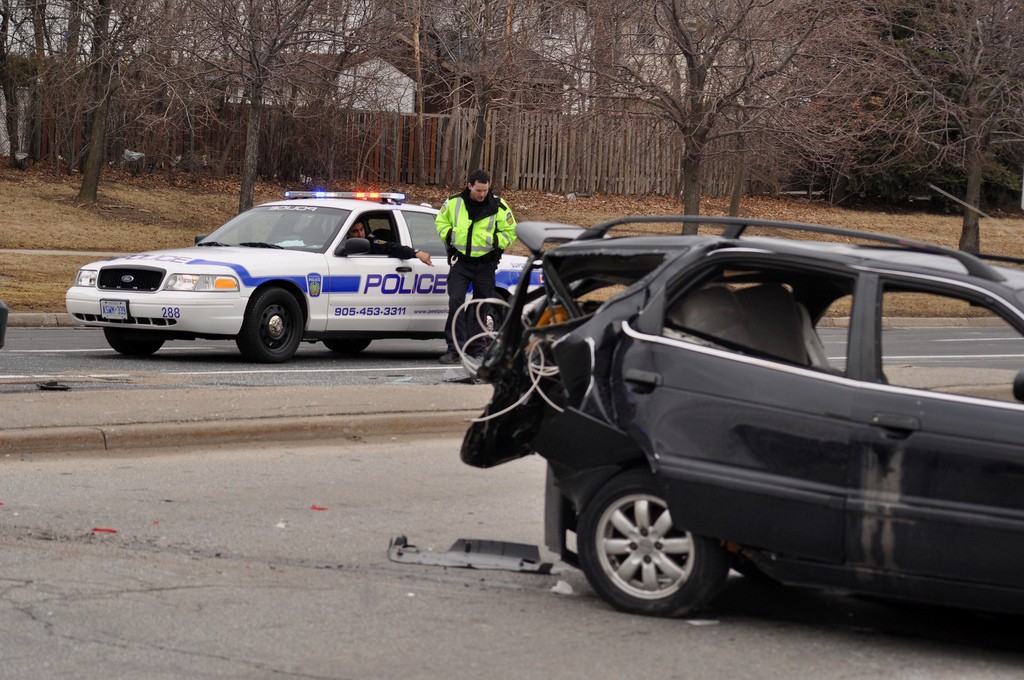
{"points": [[765, 312], [948, 342]]}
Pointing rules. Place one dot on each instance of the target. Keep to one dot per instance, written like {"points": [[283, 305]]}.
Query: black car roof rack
{"points": [[735, 226]]}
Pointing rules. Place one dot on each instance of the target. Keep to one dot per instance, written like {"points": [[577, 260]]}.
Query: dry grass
{"points": [[39, 212]]}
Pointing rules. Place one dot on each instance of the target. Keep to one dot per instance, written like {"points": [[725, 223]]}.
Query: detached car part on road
{"points": [[279, 274], [694, 420]]}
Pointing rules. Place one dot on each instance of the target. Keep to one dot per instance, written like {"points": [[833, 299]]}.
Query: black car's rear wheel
{"points": [[132, 343], [637, 560], [272, 328], [347, 346]]}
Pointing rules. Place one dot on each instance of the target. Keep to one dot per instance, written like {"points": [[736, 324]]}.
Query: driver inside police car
{"points": [[389, 248]]}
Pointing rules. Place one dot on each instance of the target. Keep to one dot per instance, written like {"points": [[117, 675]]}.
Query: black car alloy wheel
{"points": [[637, 560]]}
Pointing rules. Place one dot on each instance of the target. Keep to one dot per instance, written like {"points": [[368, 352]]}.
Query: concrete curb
{"points": [[38, 320], [16, 443]]}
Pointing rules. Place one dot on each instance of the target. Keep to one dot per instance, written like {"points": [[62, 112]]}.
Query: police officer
{"points": [[477, 227]]}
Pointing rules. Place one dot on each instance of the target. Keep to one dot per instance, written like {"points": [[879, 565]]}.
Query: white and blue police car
{"points": [[279, 274]]}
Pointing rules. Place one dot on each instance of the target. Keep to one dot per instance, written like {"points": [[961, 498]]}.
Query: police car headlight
{"points": [[201, 282], [86, 277]]}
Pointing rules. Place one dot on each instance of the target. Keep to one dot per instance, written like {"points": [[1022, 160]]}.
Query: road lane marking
{"points": [[127, 376]]}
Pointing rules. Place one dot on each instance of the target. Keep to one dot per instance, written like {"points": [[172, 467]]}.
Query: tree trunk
{"points": [[739, 176], [93, 166], [970, 234], [498, 161], [483, 104], [691, 185], [101, 73], [421, 150], [39, 38], [252, 148], [447, 147], [228, 141]]}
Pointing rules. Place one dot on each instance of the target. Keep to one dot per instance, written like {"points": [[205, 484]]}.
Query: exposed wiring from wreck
{"points": [[538, 369], [488, 327], [537, 366]]}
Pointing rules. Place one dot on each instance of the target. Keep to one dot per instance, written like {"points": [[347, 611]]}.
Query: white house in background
{"points": [[376, 85], [370, 85]]}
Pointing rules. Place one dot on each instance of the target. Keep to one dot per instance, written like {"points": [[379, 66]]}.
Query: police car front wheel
{"points": [[272, 328]]}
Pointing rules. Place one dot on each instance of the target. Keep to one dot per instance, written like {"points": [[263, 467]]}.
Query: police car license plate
{"points": [[115, 310]]}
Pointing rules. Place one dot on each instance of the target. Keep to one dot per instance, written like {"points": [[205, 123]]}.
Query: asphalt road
{"points": [[271, 562], [33, 355]]}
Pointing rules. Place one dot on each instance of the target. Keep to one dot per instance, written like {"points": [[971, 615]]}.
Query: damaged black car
{"points": [[753, 395]]}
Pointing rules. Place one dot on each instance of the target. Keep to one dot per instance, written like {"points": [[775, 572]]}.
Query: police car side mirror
{"points": [[354, 246], [200, 237]]}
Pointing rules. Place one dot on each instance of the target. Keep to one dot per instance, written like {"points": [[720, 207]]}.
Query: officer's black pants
{"points": [[467, 274]]}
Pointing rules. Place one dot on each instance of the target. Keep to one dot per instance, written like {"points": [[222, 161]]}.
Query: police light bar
{"points": [[381, 196]]}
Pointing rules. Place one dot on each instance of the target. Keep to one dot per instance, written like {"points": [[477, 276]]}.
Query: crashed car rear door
{"points": [[939, 455], [748, 426]]}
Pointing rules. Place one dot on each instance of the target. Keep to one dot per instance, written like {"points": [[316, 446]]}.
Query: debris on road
{"points": [[473, 554]]}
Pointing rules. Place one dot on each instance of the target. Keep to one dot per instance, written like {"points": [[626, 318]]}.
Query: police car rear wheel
{"points": [[132, 343], [272, 328], [347, 346]]}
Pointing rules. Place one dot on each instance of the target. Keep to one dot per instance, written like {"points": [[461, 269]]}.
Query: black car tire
{"points": [[636, 560], [347, 346], [272, 328], [132, 343]]}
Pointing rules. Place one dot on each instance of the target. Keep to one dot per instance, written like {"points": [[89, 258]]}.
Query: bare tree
{"points": [[832, 113], [37, 11], [412, 35], [241, 44], [695, 62], [472, 58], [101, 77], [283, 55], [116, 26], [956, 70]]}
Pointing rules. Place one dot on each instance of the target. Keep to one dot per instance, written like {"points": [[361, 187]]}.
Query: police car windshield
{"points": [[309, 228]]}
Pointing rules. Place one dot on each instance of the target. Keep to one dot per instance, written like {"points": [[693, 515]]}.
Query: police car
{"points": [[279, 274]]}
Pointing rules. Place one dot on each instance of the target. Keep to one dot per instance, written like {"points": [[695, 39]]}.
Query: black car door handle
{"points": [[896, 422], [648, 379], [403, 269]]}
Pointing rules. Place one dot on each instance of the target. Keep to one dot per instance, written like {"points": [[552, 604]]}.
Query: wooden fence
{"points": [[628, 155], [523, 151]]}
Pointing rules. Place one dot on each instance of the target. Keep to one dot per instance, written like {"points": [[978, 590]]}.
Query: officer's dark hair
{"points": [[479, 176]]}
